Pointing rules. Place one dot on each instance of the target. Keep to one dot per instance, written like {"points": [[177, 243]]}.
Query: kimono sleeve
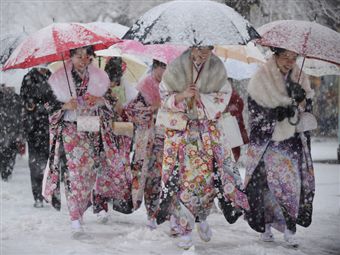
{"points": [[168, 99], [215, 103]]}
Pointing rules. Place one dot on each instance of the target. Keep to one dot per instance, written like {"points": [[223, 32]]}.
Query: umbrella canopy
{"points": [[319, 68], [306, 38], [239, 70], [192, 23], [107, 29], [246, 53], [8, 42], [161, 52], [135, 68], [53, 43]]}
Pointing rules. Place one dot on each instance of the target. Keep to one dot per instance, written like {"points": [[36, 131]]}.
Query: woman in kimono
{"points": [[80, 92], [148, 143], [279, 174], [114, 181], [197, 165]]}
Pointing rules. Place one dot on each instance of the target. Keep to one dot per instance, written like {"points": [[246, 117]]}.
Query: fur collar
{"points": [[98, 84], [179, 74], [267, 87]]}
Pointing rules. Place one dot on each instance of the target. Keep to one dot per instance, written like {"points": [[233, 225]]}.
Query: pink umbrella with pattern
{"points": [[309, 39]]}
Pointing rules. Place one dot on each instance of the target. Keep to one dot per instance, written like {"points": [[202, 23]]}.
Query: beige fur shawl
{"points": [[267, 87], [178, 74]]}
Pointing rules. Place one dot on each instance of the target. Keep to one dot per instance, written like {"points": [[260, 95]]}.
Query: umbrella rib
{"points": [[244, 41]]}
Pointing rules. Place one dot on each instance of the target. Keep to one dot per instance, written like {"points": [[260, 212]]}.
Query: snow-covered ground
{"points": [[27, 230]]}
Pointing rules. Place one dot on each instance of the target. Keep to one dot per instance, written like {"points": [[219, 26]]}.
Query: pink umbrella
{"points": [[53, 43], [161, 52], [306, 38], [107, 29]]}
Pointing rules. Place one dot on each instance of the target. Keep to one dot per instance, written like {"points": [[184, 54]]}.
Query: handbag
{"points": [[230, 130], [123, 128], [171, 120], [87, 123], [307, 122]]}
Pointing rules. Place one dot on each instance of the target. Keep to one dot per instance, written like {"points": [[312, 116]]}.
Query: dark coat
{"points": [[10, 118], [34, 91]]}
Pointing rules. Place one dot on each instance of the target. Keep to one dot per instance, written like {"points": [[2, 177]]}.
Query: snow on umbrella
{"points": [[107, 29], [8, 42], [53, 43], [306, 38], [319, 68], [192, 23]]}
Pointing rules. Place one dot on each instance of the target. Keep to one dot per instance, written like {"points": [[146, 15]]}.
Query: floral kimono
{"points": [[148, 145], [113, 181], [81, 148], [279, 175], [197, 167]]}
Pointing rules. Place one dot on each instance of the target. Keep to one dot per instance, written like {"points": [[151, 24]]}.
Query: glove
{"points": [[309, 105], [280, 113], [296, 91], [290, 112], [284, 112]]}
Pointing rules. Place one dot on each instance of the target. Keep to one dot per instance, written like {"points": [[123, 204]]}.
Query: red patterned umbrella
{"points": [[53, 43], [306, 38]]}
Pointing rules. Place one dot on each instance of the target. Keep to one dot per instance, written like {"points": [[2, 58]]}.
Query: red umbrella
{"points": [[53, 43], [306, 38]]}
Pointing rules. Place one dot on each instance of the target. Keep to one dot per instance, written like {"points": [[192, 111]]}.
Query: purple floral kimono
{"points": [[279, 175]]}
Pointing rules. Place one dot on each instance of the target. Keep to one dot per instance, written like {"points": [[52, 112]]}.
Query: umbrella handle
{"points": [[68, 81], [303, 62], [295, 107], [191, 100]]}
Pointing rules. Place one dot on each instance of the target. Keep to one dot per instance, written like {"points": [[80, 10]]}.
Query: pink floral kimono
{"points": [[197, 167], [81, 149]]}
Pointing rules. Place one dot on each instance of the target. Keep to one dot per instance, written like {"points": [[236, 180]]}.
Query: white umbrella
{"points": [[135, 68], [8, 42], [192, 23], [239, 70]]}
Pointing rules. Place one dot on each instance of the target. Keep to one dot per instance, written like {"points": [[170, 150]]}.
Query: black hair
{"points": [[114, 70], [89, 50], [277, 51], [156, 63], [200, 47]]}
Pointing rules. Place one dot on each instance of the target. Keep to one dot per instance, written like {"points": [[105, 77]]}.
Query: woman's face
{"points": [[81, 60], [286, 60], [201, 54], [158, 72]]}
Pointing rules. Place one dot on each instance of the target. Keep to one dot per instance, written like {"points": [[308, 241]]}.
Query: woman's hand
{"points": [[93, 100], [190, 91], [71, 105], [118, 108]]}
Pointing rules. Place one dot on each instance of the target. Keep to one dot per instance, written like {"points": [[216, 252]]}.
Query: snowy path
{"points": [[29, 231]]}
